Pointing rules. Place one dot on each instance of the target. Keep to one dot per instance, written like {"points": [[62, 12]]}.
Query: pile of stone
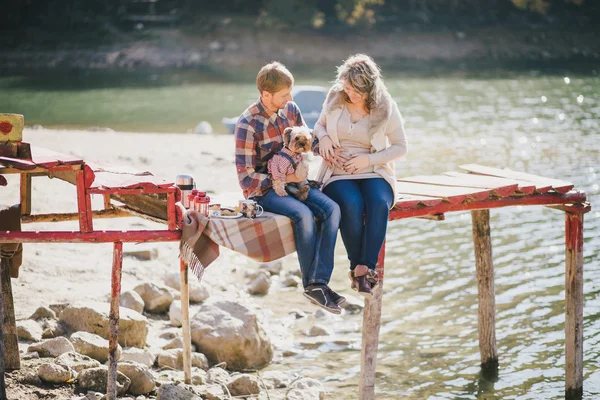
{"points": [[69, 343]]}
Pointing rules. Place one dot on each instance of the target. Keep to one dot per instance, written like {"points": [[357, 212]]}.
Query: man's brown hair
{"points": [[274, 77]]}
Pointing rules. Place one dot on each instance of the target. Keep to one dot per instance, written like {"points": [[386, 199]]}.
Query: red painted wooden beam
{"points": [[533, 200], [90, 237]]}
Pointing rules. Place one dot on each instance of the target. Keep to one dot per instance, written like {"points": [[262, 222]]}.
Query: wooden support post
{"points": [[370, 335], [171, 213], [2, 384], [574, 305], [113, 340], [25, 193], [83, 204], [185, 316], [482, 241], [11, 340]]}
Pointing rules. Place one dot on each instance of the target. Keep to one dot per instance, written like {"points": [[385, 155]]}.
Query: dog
{"points": [[290, 160]]}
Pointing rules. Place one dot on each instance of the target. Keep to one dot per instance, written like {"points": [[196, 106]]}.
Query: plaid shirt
{"points": [[258, 137]]}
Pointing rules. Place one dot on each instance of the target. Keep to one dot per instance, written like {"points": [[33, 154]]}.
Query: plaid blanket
{"points": [[265, 238]]}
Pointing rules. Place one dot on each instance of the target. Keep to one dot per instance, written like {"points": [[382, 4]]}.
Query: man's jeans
{"points": [[365, 206], [315, 240]]}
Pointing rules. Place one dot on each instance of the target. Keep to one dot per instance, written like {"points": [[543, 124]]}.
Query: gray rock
{"points": [[76, 361], [173, 358], [291, 281], [131, 299], [52, 329], [29, 330], [277, 378], [318, 330], [174, 392], [306, 389], [229, 332], [93, 346], [52, 347], [157, 299], [30, 378], [352, 305], [34, 355], [54, 373], [198, 293], [244, 385], [58, 308], [142, 255], [176, 343], [142, 356], [218, 375], [93, 317], [43, 313], [142, 380], [175, 313], [199, 376], [273, 267], [212, 392], [260, 285], [96, 378]]}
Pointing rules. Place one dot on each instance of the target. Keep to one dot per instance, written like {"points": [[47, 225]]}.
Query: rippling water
{"points": [[543, 124]]}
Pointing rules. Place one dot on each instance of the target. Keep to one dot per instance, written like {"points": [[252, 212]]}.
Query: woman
{"points": [[361, 133]]}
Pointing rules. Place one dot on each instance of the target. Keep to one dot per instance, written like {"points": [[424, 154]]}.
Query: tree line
{"points": [[69, 15]]}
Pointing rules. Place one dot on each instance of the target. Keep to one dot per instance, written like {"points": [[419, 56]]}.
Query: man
{"points": [[258, 136]]}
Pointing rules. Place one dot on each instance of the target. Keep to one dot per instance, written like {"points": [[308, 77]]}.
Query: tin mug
{"points": [[250, 209]]}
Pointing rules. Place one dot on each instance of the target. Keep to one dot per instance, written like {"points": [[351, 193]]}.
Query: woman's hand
{"points": [[326, 148], [357, 162]]}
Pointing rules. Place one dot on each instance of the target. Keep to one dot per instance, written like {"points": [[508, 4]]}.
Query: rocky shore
{"points": [[65, 347]]}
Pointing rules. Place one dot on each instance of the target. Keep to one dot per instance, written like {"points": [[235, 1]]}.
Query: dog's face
{"points": [[298, 139]]}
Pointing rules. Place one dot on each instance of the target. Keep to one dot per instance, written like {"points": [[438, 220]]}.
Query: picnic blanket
{"points": [[265, 238]]}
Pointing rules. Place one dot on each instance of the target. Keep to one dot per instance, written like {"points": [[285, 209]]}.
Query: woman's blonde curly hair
{"points": [[364, 75]]}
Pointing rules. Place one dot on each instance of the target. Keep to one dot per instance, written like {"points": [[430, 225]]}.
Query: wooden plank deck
{"points": [[523, 187], [457, 181], [449, 194], [541, 182]]}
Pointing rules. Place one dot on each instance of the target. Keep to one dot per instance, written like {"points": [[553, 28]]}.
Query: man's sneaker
{"points": [[372, 279], [320, 295], [337, 299]]}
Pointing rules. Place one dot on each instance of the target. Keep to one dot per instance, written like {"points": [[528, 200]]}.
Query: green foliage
{"points": [[539, 6], [357, 12]]}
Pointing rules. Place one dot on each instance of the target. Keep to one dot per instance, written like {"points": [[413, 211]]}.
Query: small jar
{"points": [[191, 197], [202, 203]]}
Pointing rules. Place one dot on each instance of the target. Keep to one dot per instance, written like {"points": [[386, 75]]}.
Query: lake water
{"points": [[543, 123]]}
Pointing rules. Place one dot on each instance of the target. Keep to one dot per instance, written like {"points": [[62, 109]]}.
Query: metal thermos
{"points": [[185, 183]]}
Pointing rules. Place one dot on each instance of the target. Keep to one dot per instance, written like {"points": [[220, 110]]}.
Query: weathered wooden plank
{"points": [[574, 305], [523, 187], [541, 182], [47, 157], [127, 181], [484, 266], [113, 321], [450, 194], [2, 349], [370, 335], [11, 341], [446, 180], [17, 163], [408, 201]]}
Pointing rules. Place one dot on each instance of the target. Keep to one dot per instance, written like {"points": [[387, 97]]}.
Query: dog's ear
{"points": [[287, 134]]}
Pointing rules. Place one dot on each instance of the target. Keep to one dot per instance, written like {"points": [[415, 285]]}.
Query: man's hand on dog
{"points": [[292, 178]]}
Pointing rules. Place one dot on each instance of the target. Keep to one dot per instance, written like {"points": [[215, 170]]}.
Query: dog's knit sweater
{"points": [[280, 166]]}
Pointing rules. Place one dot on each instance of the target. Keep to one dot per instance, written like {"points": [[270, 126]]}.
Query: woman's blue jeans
{"points": [[365, 206], [315, 240]]}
